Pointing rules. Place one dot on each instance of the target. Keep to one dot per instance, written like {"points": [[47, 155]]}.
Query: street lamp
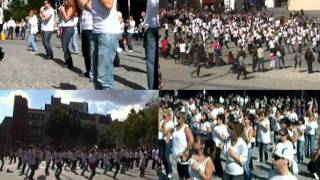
{"points": [[129, 7]]}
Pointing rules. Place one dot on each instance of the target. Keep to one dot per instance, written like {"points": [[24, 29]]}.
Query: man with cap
{"points": [[283, 160]]}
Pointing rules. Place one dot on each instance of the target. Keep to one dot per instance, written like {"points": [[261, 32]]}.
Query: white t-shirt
{"points": [[131, 26], [219, 129], [49, 24], [264, 135], [273, 175], [311, 127], [167, 125], [182, 47], [105, 21], [241, 148], [33, 21], [301, 135]]}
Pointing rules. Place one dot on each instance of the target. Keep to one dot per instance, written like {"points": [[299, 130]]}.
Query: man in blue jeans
{"points": [[152, 42], [104, 41], [47, 27]]}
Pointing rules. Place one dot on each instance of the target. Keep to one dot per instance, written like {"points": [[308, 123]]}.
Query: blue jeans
{"points": [[65, 40], [32, 38], [46, 37], [247, 170], [263, 151], [311, 144], [164, 155], [300, 150], [151, 46], [103, 51], [74, 42], [129, 38]]}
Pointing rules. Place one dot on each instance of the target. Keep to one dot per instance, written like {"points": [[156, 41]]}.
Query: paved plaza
{"points": [[22, 70], [133, 174], [178, 76]]}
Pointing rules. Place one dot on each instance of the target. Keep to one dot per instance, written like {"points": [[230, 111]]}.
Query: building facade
{"points": [[29, 125]]}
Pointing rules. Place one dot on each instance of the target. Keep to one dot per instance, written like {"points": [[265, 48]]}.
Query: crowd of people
{"points": [[27, 160], [103, 30], [242, 40], [206, 130]]}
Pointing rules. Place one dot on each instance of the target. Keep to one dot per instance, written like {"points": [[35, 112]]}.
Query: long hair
{"points": [[209, 146]]}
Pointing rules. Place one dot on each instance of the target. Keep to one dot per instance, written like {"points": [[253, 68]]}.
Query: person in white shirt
{"points": [[201, 163], [219, 135], [182, 142], [282, 161], [104, 41], [69, 14], [263, 136], [166, 127], [130, 31], [11, 25], [236, 152], [301, 139], [311, 127], [33, 22], [47, 27]]}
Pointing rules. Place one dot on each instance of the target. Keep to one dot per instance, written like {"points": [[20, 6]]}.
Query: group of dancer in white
{"points": [[196, 134], [210, 33], [76, 160]]}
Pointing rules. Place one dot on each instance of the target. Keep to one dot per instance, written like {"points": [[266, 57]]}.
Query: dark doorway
{"points": [[137, 6]]}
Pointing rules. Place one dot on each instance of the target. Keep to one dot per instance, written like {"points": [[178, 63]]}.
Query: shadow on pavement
{"points": [[127, 83], [66, 86], [129, 68], [139, 57]]}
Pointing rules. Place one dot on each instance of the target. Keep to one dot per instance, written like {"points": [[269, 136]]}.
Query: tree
{"points": [[89, 134]]}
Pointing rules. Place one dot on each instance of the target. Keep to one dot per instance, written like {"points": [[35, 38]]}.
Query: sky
{"points": [[116, 103]]}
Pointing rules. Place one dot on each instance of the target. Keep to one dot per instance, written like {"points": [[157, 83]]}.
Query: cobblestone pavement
{"points": [[22, 70], [133, 174], [178, 76]]}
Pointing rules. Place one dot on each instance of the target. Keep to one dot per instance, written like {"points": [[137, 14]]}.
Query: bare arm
{"points": [[107, 4], [207, 175]]}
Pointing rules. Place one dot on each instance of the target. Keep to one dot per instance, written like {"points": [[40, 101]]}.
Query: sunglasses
{"points": [[282, 134], [276, 157]]}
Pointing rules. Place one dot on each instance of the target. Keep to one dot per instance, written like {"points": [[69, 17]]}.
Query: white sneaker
{"points": [[316, 175], [34, 52], [170, 176], [130, 51]]}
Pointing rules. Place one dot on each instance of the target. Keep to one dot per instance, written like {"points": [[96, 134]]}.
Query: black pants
{"points": [[47, 167], [240, 70], [19, 163], [2, 163], [86, 37], [10, 34], [217, 163], [33, 168], [309, 63], [23, 168], [117, 164], [65, 40], [59, 169], [231, 177]]}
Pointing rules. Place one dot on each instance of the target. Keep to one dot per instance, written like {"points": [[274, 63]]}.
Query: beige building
{"points": [[304, 4]]}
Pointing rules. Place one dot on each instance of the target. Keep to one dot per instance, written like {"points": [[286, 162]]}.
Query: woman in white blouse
{"points": [[182, 142], [201, 163], [236, 152]]}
